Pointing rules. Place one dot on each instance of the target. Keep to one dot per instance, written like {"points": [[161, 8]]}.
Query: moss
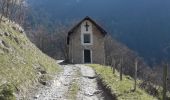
{"points": [[74, 88], [121, 89]]}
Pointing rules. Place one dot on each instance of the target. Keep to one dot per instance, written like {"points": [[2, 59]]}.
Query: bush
{"points": [[149, 88], [6, 92], [43, 79]]}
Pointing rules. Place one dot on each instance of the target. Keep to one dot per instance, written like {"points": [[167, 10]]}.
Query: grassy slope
{"points": [[122, 89], [20, 60]]}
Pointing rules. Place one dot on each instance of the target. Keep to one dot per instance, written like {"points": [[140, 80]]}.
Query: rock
{"points": [[5, 44], [14, 28], [90, 91], [21, 30], [87, 72], [39, 68], [36, 97], [1, 43], [6, 34], [4, 47], [16, 40], [43, 82], [43, 79]]}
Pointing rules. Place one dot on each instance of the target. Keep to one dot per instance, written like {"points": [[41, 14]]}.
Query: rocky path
{"points": [[76, 82], [88, 85]]}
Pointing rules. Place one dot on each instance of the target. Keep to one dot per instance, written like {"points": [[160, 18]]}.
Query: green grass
{"points": [[121, 89], [74, 88], [19, 66]]}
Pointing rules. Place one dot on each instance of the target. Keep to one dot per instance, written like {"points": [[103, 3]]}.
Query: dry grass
{"points": [[20, 63], [121, 89]]}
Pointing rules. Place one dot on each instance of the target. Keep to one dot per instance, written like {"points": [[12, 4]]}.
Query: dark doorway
{"points": [[87, 56]]}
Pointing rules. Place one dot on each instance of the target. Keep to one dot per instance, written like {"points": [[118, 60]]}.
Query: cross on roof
{"points": [[87, 26]]}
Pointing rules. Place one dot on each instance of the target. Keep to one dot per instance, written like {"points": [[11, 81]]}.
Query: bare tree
{"points": [[10, 8], [5, 7], [2, 9], [20, 12], [61, 37], [41, 37]]}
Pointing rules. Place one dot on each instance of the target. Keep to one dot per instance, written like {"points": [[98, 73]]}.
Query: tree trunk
{"points": [[2, 10]]}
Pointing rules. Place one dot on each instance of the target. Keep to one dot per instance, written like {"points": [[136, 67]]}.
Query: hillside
{"points": [[22, 65], [143, 25]]}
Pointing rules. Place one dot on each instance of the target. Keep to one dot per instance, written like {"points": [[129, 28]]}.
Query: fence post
{"points": [[165, 72], [121, 65], [113, 65], [136, 69]]}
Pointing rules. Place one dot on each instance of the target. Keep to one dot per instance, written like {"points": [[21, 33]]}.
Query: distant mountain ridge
{"points": [[143, 25]]}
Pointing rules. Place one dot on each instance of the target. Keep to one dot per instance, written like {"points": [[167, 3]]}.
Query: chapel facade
{"points": [[86, 43]]}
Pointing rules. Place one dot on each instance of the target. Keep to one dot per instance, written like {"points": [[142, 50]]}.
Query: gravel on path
{"points": [[59, 88]]}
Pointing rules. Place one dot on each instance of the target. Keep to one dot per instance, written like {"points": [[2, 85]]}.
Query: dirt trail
{"points": [[88, 85], [82, 76]]}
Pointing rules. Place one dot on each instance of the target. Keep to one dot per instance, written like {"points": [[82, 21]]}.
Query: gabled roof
{"points": [[92, 21]]}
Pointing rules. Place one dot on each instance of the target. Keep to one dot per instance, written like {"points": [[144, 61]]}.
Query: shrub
{"points": [[6, 92]]}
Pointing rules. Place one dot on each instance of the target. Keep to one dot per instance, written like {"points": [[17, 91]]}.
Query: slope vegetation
{"points": [[120, 90], [22, 65]]}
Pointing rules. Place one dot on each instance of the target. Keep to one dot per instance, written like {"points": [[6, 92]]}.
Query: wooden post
{"points": [[113, 65], [121, 65], [136, 69], [165, 72]]}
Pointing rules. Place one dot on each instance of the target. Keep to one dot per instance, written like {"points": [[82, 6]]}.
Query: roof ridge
{"points": [[93, 22]]}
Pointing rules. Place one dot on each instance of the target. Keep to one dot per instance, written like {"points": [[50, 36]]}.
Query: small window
{"points": [[87, 38]]}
